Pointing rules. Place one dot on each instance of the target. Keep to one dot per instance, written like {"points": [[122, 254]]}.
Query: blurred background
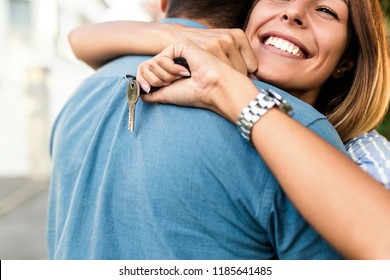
{"points": [[38, 72]]}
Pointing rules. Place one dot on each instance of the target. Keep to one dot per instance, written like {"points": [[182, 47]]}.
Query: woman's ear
{"points": [[345, 65], [163, 5]]}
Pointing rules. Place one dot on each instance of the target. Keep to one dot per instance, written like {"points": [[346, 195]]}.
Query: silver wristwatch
{"points": [[265, 100]]}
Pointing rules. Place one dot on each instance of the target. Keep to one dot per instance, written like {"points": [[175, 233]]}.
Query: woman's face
{"points": [[298, 43]]}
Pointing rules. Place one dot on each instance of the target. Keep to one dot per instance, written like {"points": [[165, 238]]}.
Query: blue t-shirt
{"points": [[183, 185]]}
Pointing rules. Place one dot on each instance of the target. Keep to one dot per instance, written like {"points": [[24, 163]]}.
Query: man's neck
{"points": [[202, 22]]}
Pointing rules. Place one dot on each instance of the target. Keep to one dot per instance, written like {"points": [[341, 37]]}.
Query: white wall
{"points": [[24, 123], [13, 154]]}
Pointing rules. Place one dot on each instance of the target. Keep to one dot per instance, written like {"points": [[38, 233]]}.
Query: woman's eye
{"points": [[328, 11], [281, 1]]}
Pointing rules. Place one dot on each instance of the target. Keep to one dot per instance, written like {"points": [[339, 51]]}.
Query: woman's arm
{"points": [[97, 44], [343, 203]]}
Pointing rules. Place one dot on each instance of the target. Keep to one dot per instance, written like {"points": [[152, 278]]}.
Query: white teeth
{"points": [[284, 46], [279, 43]]}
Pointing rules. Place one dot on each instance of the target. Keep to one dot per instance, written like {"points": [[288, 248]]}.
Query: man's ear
{"points": [[344, 65], [163, 5]]}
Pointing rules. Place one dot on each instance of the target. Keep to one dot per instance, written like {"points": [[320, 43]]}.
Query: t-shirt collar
{"points": [[184, 21]]}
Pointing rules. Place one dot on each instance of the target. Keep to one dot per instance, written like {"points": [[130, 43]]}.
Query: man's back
{"points": [[183, 185]]}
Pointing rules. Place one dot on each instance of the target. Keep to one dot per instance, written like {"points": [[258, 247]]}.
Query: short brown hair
{"points": [[219, 13]]}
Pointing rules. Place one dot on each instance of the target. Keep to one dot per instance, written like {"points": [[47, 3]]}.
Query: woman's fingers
{"points": [[234, 44], [229, 45], [159, 71], [195, 91]]}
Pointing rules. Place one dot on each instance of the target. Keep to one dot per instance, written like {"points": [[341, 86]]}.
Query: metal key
{"points": [[134, 90], [132, 93]]}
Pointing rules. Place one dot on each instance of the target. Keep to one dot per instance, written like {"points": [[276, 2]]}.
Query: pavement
{"points": [[23, 211]]}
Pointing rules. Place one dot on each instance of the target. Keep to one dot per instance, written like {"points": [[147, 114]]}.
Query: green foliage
{"points": [[384, 128], [386, 7]]}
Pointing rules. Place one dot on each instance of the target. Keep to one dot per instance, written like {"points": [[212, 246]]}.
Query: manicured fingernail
{"points": [[185, 74], [166, 84], [145, 87]]}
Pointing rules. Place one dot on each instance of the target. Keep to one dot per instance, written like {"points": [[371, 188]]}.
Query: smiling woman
{"points": [[329, 77], [318, 28], [329, 53], [342, 70], [345, 75]]}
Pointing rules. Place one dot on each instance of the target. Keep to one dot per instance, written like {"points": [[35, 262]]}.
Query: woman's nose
{"points": [[296, 20], [295, 14]]}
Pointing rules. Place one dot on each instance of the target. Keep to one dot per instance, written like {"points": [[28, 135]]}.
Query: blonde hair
{"points": [[359, 101], [363, 102]]}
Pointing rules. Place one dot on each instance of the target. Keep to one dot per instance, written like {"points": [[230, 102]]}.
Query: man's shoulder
{"points": [[303, 112], [308, 116]]}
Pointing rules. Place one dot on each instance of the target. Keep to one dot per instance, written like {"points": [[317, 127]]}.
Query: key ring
{"points": [[129, 77]]}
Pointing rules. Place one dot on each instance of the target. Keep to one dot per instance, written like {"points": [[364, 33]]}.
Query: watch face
{"points": [[281, 103], [265, 100]]}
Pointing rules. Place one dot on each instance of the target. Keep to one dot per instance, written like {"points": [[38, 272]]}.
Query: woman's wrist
{"points": [[166, 34], [265, 100], [236, 91], [243, 104]]}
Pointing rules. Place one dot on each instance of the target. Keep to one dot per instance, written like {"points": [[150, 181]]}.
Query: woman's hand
{"points": [[93, 43], [229, 45], [213, 84]]}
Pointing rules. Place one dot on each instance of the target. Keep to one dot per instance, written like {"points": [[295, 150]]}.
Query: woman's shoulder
{"points": [[370, 138], [371, 151]]}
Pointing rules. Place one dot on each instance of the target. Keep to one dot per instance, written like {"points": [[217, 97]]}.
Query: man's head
{"points": [[213, 13]]}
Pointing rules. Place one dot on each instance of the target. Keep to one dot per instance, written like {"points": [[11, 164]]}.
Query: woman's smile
{"points": [[284, 45], [298, 44]]}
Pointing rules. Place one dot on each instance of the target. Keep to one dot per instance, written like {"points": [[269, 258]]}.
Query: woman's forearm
{"points": [[97, 44], [342, 202]]}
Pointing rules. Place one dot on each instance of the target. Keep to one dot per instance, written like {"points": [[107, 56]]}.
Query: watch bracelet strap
{"points": [[258, 107]]}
